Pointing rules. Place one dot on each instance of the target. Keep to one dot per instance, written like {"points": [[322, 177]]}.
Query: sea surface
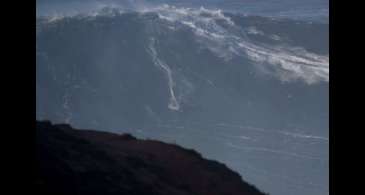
{"points": [[242, 82]]}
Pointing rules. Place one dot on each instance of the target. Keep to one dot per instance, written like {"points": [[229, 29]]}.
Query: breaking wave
{"points": [[171, 73], [217, 32]]}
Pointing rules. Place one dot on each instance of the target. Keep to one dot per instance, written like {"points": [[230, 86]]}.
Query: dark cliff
{"points": [[85, 162]]}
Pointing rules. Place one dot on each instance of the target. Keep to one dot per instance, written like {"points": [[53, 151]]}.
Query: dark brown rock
{"points": [[85, 162]]}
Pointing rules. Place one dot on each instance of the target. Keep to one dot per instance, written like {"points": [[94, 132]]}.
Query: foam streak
{"points": [[173, 104]]}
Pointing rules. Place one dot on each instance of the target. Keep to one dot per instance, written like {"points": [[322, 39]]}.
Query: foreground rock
{"points": [[84, 162]]}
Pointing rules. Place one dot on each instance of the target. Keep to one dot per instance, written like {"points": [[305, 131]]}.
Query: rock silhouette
{"points": [[71, 161]]}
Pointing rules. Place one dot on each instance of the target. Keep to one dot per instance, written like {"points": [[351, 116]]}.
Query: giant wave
{"points": [[222, 36], [250, 91]]}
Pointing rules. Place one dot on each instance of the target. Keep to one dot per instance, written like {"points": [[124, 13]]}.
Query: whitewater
{"points": [[219, 34], [250, 91]]}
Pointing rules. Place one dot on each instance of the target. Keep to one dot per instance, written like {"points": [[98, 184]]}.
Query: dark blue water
{"points": [[246, 85]]}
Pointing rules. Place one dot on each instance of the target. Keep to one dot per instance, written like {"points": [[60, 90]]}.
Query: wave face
{"points": [[249, 91]]}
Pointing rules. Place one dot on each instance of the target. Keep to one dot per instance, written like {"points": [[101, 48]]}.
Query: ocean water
{"points": [[242, 82]]}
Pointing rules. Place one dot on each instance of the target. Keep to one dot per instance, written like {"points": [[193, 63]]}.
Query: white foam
{"points": [[289, 63], [280, 152], [275, 131], [220, 35], [253, 30], [173, 103]]}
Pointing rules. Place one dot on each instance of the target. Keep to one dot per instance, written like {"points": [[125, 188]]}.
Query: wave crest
{"points": [[217, 32]]}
